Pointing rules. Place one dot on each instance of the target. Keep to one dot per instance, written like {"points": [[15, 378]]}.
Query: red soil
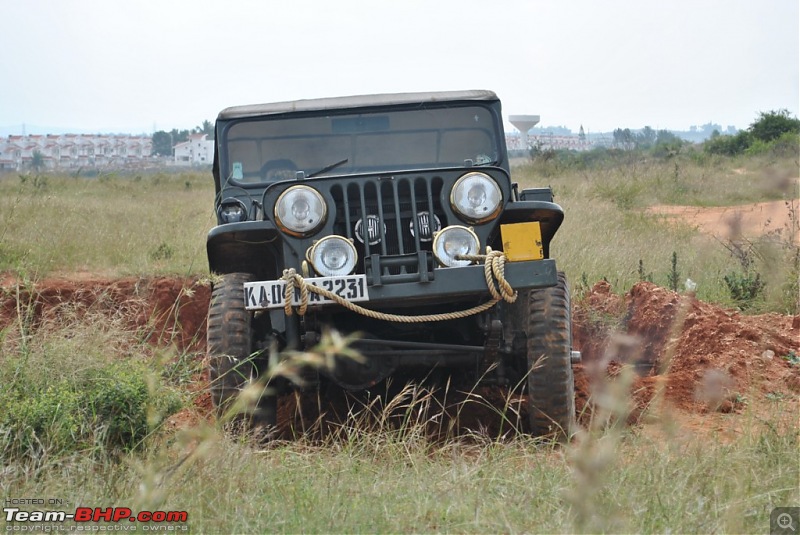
{"points": [[707, 358]]}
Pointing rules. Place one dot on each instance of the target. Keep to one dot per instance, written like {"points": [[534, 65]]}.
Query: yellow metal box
{"points": [[522, 241]]}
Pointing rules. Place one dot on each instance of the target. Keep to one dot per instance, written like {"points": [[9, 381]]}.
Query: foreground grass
{"points": [[378, 484], [658, 477]]}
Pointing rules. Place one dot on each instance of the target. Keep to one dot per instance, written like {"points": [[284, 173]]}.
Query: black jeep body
{"points": [[378, 199]]}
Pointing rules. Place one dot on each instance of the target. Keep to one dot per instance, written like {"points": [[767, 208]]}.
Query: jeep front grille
{"points": [[386, 207]]}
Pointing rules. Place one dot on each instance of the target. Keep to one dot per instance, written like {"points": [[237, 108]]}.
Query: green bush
{"points": [[787, 145], [772, 125], [773, 131], [744, 287], [45, 420], [113, 407], [728, 145]]}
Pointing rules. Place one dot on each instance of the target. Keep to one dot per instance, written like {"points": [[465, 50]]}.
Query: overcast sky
{"points": [[111, 66]]}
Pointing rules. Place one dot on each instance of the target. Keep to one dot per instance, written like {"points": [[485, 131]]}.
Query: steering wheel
{"points": [[274, 170]]}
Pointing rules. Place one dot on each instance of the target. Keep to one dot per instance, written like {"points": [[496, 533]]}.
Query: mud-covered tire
{"points": [[551, 383], [232, 359]]}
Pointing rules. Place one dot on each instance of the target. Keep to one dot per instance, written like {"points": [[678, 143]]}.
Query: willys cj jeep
{"points": [[393, 216]]}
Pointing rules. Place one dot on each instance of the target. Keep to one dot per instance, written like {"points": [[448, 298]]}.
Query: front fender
{"points": [[548, 214], [250, 246]]}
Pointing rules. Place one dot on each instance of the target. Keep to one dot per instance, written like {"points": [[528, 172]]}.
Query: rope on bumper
{"points": [[494, 271]]}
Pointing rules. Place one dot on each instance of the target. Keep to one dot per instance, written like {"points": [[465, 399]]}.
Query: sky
{"points": [[140, 65]]}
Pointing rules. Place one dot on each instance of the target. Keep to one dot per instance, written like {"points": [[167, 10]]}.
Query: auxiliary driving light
{"points": [[232, 210], [428, 226], [373, 229], [453, 241], [476, 197], [333, 256], [300, 210]]}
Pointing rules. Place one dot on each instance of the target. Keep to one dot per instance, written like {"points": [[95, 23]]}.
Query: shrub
{"points": [[728, 145], [772, 125], [744, 287], [771, 128], [787, 145], [111, 408]]}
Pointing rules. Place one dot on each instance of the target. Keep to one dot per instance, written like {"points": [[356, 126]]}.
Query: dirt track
{"points": [[730, 222], [708, 358]]}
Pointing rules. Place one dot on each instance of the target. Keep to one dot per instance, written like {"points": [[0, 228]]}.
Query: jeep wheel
{"points": [[551, 384], [233, 361]]}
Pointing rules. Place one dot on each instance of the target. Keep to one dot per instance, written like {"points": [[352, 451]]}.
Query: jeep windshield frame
{"points": [[263, 149]]}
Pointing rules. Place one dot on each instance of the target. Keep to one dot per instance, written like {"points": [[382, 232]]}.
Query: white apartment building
{"points": [[197, 150], [71, 151]]}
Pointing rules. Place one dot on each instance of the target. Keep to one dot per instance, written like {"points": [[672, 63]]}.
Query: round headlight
{"points": [[300, 210], [333, 256], [232, 211], [476, 197], [452, 242]]}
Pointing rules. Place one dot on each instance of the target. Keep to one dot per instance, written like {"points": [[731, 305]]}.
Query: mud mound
{"points": [[164, 310], [705, 356]]}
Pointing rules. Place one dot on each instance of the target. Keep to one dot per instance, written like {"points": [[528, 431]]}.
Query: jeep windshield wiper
{"points": [[327, 168]]}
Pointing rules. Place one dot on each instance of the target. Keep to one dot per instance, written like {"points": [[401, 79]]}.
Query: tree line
{"points": [[770, 128], [645, 139]]}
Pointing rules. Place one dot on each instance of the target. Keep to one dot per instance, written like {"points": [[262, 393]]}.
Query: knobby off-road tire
{"points": [[551, 384], [233, 362]]}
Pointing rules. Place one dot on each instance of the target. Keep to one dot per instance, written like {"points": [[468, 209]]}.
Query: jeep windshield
{"points": [[272, 148]]}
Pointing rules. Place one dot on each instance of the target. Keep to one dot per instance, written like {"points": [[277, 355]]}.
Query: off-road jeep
{"points": [[374, 209]]}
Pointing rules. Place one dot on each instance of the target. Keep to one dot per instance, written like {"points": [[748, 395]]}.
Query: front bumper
{"points": [[462, 283], [442, 286]]}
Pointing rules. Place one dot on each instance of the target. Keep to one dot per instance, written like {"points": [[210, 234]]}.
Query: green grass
{"points": [[112, 225]]}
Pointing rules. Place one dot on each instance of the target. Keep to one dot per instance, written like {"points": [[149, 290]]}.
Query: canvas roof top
{"points": [[357, 101]]}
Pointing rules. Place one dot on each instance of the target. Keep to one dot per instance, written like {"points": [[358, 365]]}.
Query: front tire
{"points": [[547, 322], [233, 358]]}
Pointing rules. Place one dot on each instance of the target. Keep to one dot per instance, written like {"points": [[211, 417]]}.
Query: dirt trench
{"points": [[706, 358]]}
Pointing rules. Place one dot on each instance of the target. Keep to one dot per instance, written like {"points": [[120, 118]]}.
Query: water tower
{"points": [[524, 123]]}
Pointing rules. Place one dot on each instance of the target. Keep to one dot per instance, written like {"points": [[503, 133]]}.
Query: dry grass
{"points": [[114, 225]]}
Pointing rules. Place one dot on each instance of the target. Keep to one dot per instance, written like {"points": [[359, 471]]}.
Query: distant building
{"points": [[198, 150], [545, 141], [72, 151]]}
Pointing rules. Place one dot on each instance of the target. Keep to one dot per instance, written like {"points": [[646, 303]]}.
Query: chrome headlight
{"points": [[333, 256], [300, 210], [453, 241], [232, 211], [476, 197]]}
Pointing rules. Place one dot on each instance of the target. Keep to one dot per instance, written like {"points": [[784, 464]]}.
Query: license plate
{"points": [[270, 294]]}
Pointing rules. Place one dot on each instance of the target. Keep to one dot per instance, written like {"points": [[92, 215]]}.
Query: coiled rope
{"points": [[493, 268]]}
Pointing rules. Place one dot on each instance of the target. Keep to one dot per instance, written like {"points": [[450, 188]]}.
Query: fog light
{"points": [[454, 241], [333, 256], [232, 211]]}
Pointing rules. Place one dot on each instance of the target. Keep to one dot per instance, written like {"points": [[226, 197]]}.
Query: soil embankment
{"points": [[704, 357]]}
